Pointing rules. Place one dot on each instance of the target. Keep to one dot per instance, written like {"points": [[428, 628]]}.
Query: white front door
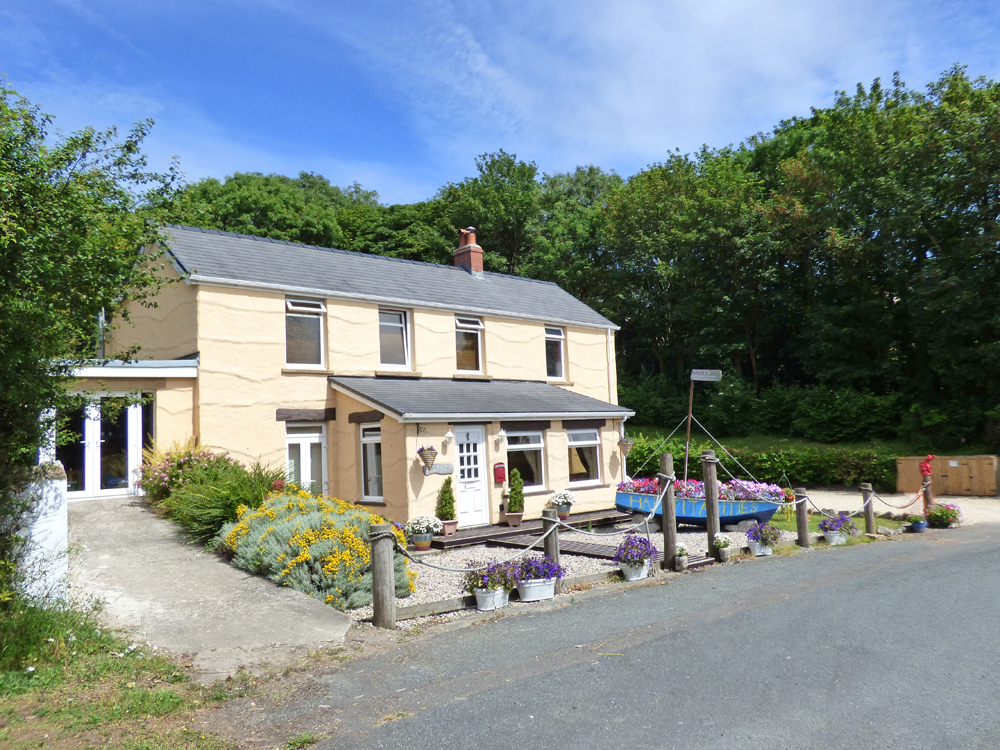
{"points": [[472, 500], [104, 453]]}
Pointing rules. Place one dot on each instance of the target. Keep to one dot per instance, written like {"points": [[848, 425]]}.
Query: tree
{"points": [[70, 242], [501, 202]]}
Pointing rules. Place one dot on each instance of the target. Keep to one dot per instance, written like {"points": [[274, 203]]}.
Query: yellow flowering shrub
{"points": [[316, 545]]}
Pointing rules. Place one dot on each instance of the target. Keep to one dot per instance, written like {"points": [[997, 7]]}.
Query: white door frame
{"points": [[472, 496], [92, 441]]}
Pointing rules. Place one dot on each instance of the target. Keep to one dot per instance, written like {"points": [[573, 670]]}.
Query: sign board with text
{"points": [[706, 375]]}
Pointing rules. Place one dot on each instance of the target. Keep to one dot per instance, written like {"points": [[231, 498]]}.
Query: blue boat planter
{"points": [[692, 511]]}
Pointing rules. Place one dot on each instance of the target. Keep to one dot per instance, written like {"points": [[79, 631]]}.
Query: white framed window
{"points": [[394, 339], [468, 344], [305, 451], [525, 452], [584, 456], [371, 462], [304, 332], [554, 353]]}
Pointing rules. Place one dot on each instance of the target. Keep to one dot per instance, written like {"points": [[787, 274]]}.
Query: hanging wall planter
{"points": [[428, 456]]}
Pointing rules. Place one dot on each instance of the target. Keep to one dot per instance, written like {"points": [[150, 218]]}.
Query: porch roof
{"points": [[444, 399]]}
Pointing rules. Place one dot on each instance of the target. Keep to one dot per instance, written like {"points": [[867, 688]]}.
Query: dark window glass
{"points": [[529, 463], [72, 454], [392, 338], [302, 339], [553, 358], [583, 463]]}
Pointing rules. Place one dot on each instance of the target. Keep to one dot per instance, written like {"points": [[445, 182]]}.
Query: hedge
{"points": [[795, 467]]}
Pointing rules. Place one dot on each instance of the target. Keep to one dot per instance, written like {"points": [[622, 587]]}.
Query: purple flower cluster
{"points": [[641, 486], [634, 550], [532, 567], [764, 533], [842, 524], [496, 575], [159, 480], [743, 490]]}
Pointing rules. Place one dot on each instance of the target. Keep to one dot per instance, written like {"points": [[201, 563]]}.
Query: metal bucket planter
{"points": [[490, 599], [835, 537], [681, 562], [634, 572], [536, 589], [760, 550]]}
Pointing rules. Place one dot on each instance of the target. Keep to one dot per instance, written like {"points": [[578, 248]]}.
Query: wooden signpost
{"points": [[704, 375]]}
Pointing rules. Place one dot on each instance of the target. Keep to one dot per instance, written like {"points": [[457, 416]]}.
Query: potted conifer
{"points": [[446, 508], [515, 499]]}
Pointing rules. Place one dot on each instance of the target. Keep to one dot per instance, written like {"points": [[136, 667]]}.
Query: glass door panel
{"points": [[73, 454], [113, 449]]}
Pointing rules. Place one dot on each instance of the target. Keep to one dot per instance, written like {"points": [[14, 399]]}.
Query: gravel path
{"points": [[435, 585]]}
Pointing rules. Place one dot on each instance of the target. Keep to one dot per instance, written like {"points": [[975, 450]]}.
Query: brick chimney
{"points": [[469, 255]]}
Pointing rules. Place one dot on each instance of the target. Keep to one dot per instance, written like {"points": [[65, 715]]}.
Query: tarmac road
{"points": [[888, 645]]}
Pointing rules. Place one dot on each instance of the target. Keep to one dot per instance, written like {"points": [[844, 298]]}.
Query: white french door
{"points": [[104, 452], [472, 498]]}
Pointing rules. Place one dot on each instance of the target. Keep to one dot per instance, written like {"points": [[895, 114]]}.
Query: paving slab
{"points": [[182, 598]]}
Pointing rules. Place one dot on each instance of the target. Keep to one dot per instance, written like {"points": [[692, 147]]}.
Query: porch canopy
{"points": [[444, 399]]}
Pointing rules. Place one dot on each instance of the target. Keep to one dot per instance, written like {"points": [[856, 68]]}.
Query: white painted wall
{"points": [[46, 564]]}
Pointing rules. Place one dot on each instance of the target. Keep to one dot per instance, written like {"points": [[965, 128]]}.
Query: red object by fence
{"points": [[925, 466]]}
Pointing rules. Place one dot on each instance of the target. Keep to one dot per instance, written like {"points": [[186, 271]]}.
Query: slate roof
{"points": [[211, 256], [437, 399]]}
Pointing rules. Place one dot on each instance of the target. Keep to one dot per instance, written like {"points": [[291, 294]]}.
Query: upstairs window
{"points": [[304, 332], [468, 344], [554, 338], [394, 340], [524, 453], [584, 456]]}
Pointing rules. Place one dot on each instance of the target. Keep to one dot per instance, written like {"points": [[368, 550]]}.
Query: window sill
{"points": [[589, 485], [372, 502], [540, 491], [398, 374], [559, 381], [304, 371], [470, 376]]}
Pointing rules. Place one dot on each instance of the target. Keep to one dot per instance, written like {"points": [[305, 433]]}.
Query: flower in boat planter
{"points": [[721, 542], [535, 567], [562, 498], [423, 525], [634, 551], [741, 489], [496, 575], [944, 516], [842, 524], [764, 533], [640, 486]]}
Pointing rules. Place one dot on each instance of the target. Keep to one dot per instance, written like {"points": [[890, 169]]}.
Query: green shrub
{"points": [[163, 472], [210, 498], [315, 545], [446, 501], [806, 467], [515, 500]]}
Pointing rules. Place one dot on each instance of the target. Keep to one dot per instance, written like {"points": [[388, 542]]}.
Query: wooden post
{"points": [[669, 509], [687, 444], [708, 462], [549, 517], [928, 498], [383, 578], [866, 495], [802, 517]]}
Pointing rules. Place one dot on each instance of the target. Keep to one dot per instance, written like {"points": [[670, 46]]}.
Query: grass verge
{"points": [[68, 682]]}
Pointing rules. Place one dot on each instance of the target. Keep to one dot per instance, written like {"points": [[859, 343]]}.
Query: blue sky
{"points": [[401, 96]]}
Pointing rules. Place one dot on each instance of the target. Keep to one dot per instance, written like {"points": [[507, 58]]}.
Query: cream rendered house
{"points": [[343, 365]]}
